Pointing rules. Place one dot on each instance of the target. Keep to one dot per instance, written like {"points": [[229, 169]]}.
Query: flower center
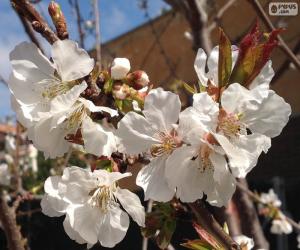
{"points": [[168, 142], [230, 124], [102, 197], [54, 89], [76, 117]]}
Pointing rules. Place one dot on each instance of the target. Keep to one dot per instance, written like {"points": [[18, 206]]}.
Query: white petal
{"points": [[244, 240], [71, 62], [132, 204], [50, 141], [237, 99], [244, 152], [212, 64], [135, 134], [272, 116], [152, 179], [199, 65], [91, 106], [184, 174], [47, 209], [97, 140], [67, 100], [86, 220], [114, 227], [162, 108], [71, 232]]}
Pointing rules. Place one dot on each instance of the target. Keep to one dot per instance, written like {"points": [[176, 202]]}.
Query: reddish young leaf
{"points": [[225, 59]]}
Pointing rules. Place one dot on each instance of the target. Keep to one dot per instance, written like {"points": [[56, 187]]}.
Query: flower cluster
{"points": [[193, 153]]}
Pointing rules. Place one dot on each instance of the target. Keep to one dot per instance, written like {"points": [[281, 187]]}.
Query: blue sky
{"points": [[116, 17]]}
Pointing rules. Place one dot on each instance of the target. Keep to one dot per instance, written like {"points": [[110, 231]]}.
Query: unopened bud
{"points": [[138, 79], [119, 68], [120, 92], [58, 20]]}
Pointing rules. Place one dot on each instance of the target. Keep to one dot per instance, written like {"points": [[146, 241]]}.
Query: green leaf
{"points": [[225, 59], [108, 86], [189, 89], [164, 237]]}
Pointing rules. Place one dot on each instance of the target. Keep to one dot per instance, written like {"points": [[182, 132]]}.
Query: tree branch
{"points": [[28, 29], [97, 32], [207, 221], [11, 229], [282, 45], [36, 20], [285, 65], [248, 216]]}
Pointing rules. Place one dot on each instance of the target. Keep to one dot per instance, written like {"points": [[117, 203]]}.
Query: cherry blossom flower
{"points": [[244, 241], [153, 132], [280, 225], [199, 167], [91, 202], [270, 198], [119, 68], [4, 174], [35, 81], [68, 113], [246, 124]]}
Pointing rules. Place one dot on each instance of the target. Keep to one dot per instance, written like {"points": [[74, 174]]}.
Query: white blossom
{"points": [[270, 198], [198, 167], [244, 241], [35, 81], [4, 174], [153, 132], [91, 202], [120, 68], [281, 225]]}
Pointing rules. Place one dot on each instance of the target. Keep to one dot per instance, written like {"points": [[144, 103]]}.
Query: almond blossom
{"points": [[280, 225], [91, 202], [154, 133], [245, 242]]}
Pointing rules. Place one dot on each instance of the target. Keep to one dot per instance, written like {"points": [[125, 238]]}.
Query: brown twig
{"points": [[195, 14], [248, 216], [285, 65], [10, 227], [28, 29], [219, 14], [257, 199], [75, 6], [97, 33], [37, 21], [282, 45], [207, 221]]}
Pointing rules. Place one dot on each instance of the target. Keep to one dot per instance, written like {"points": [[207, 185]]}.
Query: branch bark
{"points": [[282, 45], [11, 229], [97, 32], [195, 14], [207, 221], [248, 217], [36, 20]]}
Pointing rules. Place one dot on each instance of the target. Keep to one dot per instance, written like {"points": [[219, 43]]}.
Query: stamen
{"points": [[76, 117], [231, 125], [102, 197], [204, 158], [167, 144], [57, 88]]}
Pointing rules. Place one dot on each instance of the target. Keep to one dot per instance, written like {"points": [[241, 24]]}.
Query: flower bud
{"points": [[119, 68], [138, 79], [58, 20], [120, 91]]}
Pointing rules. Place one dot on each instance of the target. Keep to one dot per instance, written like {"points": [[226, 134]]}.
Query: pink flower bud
{"points": [[119, 68], [138, 79]]}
